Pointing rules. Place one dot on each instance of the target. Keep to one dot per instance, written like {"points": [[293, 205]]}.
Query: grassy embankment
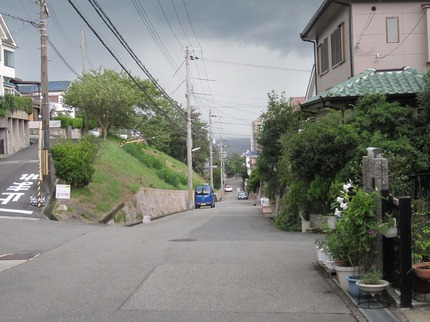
{"points": [[118, 177]]}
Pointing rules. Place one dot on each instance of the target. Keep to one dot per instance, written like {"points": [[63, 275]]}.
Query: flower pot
{"points": [[331, 222], [320, 254], [391, 233], [342, 273], [419, 285], [330, 263], [352, 285], [373, 288], [422, 270]]}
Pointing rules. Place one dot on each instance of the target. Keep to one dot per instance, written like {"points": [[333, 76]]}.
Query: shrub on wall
{"points": [[66, 121], [15, 103]]}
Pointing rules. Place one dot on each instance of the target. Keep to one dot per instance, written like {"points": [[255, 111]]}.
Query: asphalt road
{"points": [[18, 181], [227, 263]]}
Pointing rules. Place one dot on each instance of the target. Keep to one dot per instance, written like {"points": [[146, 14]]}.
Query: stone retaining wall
{"points": [[155, 203]]}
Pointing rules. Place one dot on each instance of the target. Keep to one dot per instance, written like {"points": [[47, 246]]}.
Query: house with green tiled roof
{"points": [[353, 37], [400, 85]]}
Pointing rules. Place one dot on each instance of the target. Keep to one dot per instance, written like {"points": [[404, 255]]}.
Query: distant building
{"points": [[14, 132], [256, 125], [56, 90]]}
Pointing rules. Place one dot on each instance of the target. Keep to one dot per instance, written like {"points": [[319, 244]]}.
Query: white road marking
{"points": [[26, 212], [18, 218]]}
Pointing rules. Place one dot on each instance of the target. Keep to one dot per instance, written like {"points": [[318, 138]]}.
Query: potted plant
{"points": [[421, 251], [352, 243], [371, 282], [389, 227]]}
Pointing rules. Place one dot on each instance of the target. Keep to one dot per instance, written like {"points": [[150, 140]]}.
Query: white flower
{"points": [[339, 199], [337, 212], [347, 186], [343, 205]]}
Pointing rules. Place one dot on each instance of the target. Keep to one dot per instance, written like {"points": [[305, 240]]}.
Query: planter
{"points": [[320, 254], [373, 288], [342, 273], [420, 285], [330, 264], [305, 225], [391, 232], [422, 270], [352, 286]]}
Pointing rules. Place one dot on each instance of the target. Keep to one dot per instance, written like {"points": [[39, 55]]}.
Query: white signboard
{"points": [[62, 191], [35, 124]]}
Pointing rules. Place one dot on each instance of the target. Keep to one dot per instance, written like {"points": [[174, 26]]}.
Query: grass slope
{"points": [[117, 178]]}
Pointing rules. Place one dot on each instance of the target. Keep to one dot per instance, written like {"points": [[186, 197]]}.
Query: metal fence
{"points": [[397, 252]]}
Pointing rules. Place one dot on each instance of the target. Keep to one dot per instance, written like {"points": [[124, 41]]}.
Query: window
{"points": [[323, 57], [9, 58], [392, 26], [337, 46]]}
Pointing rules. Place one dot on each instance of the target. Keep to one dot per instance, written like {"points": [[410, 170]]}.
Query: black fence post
{"points": [[386, 202], [404, 204]]}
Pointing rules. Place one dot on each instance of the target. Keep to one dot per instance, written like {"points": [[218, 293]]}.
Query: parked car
{"points": [[204, 196], [228, 188], [242, 195]]}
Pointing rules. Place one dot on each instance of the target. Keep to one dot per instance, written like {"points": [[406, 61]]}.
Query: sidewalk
{"points": [[419, 313]]}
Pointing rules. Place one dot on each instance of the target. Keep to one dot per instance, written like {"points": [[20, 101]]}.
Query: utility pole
{"points": [[189, 137], [45, 99], [221, 165], [211, 171]]}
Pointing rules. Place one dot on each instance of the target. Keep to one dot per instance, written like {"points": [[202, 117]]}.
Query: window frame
{"points": [[337, 42], [392, 33], [323, 57], [9, 58]]}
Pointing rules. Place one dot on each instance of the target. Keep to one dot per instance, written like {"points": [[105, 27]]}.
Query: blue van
{"points": [[204, 196]]}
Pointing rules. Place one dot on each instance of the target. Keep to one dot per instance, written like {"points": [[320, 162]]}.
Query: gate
{"points": [[397, 254]]}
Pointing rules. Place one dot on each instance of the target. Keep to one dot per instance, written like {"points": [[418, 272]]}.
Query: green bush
{"points": [[73, 162], [169, 176], [148, 160]]}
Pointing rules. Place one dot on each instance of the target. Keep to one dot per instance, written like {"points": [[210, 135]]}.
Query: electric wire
{"points": [[168, 23], [60, 28], [180, 23], [110, 25], [123, 67], [366, 25], [62, 58], [404, 39], [154, 34]]}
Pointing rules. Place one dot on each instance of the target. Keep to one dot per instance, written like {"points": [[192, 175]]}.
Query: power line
{"points": [[110, 25], [258, 66], [122, 66]]}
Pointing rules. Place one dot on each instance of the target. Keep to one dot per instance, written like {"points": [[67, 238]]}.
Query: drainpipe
{"points": [[426, 7], [315, 60], [351, 56]]}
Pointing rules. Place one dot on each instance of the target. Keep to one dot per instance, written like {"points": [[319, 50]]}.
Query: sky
{"points": [[244, 49]]}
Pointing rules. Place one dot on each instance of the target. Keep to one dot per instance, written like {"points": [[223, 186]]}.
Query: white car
{"points": [[228, 188]]}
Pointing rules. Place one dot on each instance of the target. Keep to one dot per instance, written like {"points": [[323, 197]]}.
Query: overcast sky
{"points": [[246, 48]]}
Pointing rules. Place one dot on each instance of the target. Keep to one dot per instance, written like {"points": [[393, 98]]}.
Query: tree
{"points": [[105, 95], [235, 164], [279, 119]]}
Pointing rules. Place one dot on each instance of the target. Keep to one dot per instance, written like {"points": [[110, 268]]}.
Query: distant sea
{"points": [[239, 145]]}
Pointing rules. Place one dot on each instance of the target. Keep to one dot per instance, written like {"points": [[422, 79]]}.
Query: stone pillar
{"points": [[375, 178]]}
